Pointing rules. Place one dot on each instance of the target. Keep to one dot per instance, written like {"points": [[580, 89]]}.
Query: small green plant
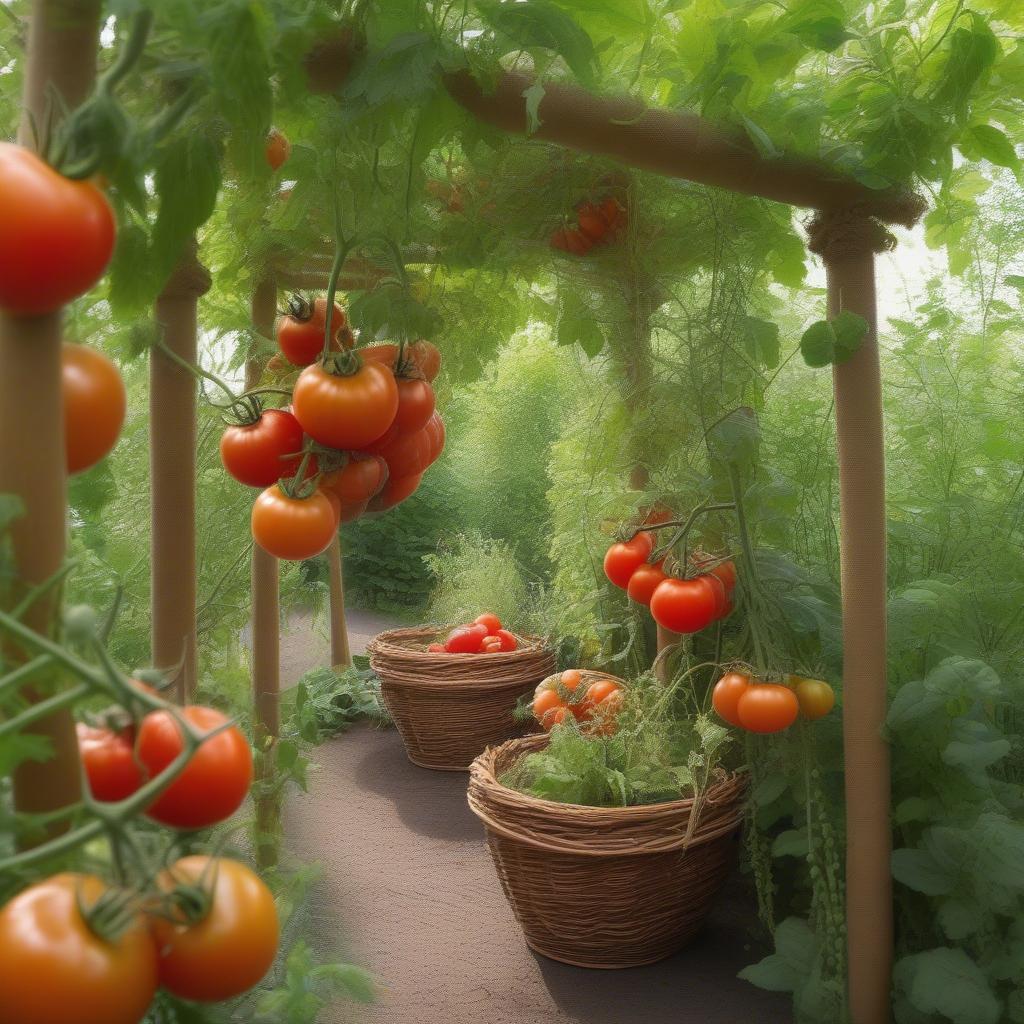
{"points": [[325, 702]]}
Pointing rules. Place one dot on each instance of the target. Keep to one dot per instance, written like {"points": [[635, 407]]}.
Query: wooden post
{"points": [[847, 245], [172, 404], [266, 624], [61, 57], [341, 654]]}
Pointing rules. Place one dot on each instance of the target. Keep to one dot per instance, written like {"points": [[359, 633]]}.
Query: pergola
{"points": [[847, 230]]}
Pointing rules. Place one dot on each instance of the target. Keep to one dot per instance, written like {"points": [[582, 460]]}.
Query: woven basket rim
{"points": [[386, 643], [530, 744]]}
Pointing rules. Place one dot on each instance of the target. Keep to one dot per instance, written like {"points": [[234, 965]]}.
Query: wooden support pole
{"points": [[172, 404], [266, 624], [847, 247], [61, 58], [341, 654]]}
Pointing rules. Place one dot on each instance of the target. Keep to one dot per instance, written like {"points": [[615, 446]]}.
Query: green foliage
{"points": [[325, 702], [833, 341]]}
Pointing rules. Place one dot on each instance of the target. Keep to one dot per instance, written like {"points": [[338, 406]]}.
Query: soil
{"points": [[409, 891]]}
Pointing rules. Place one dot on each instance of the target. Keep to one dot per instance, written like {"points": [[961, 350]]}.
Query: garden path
{"points": [[409, 884]]}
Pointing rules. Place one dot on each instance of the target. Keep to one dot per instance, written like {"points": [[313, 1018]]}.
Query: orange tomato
{"points": [[395, 491], [415, 404], [358, 480], [292, 528], [545, 704], [490, 620], [233, 944], [767, 708], [278, 149], [349, 411], [55, 970], [726, 695], [94, 405]]}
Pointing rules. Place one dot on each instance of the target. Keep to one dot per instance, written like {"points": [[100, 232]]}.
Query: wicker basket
{"points": [[605, 887], [450, 707]]}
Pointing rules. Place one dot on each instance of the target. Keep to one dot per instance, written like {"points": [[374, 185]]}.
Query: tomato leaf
{"points": [[833, 341], [989, 143], [947, 982], [578, 326]]}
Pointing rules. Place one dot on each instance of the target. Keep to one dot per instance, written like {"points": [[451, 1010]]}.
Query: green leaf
{"points": [[819, 24], [991, 144], [539, 23], [961, 918], [793, 959], [1014, 281], [577, 325], [792, 843], [850, 331], [533, 95], [759, 137], [818, 344], [972, 51], [356, 982], [735, 438], [921, 871], [947, 982], [761, 340], [769, 789]]}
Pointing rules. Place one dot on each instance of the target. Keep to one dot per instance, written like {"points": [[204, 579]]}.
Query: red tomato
{"points": [[722, 605], [56, 970], [293, 528], [300, 334], [427, 356], [226, 947], [396, 490], [346, 412], [358, 480], [214, 782], [350, 513], [509, 642], [415, 405], [685, 606], [278, 149], [490, 620], [592, 223], [465, 639], [644, 582], [614, 214], [94, 405], [56, 235], [254, 454], [491, 645], [422, 356], [623, 559], [109, 762], [335, 505], [405, 454], [725, 571], [436, 432], [767, 707], [726, 695]]}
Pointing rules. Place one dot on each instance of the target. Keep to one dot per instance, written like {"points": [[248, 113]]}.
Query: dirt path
{"points": [[409, 891]]}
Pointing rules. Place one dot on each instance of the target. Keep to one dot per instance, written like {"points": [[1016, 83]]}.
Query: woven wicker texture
{"points": [[606, 887], [450, 707]]}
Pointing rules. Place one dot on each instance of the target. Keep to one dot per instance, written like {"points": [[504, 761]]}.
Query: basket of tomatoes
{"points": [[454, 692]]}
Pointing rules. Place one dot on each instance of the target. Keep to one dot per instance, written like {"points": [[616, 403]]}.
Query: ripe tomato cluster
{"points": [[77, 951], [484, 635], [591, 698], [597, 224], [761, 707], [361, 431], [56, 234], [680, 605]]}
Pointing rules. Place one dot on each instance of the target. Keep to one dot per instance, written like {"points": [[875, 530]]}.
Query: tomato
{"points": [[686, 606], [109, 761], [602, 701], [571, 678], [292, 528], [466, 639], [415, 405], [335, 505], [300, 334], [815, 697], [657, 514], [767, 707], [358, 480], [644, 582], [396, 490], [623, 559], [726, 695], [725, 571], [231, 946], [278, 149], [490, 620], [94, 405], [544, 706], [405, 454], [436, 433], [614, 214], [722, 603], [422, 357], [556, 716], [509, 641], [592, 224], [55, 970], [351, 512], [436, 648], [254, 454], [56, 235], [215, 780], [491, 645], [349, 411], [571, 240]]}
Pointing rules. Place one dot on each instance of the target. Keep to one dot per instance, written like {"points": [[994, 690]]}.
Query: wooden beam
{"points": [[676, 144]]}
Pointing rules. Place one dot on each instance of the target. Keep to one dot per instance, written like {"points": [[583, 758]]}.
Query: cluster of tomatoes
{"points": [[680, 605], [761, 707], [591, 698], [361, 431], [484, 635], [205, 929], [596, 224]]}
